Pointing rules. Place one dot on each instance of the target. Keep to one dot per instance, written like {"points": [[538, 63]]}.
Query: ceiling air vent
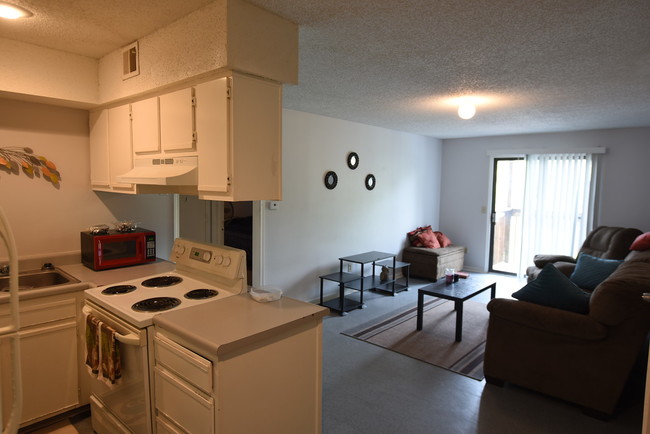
{"points": [[130, 63]]}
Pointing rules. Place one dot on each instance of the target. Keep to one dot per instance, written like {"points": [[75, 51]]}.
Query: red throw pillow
{"points": [[442, 239], [642, 242], [428, 239], [413, 236]]}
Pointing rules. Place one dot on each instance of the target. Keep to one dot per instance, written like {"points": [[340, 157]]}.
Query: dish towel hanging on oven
{"points": [[102, 351], [92, 344], [109, 354]]}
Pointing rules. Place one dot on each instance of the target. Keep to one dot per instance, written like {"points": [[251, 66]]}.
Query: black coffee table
{"points": [[457, 292]]}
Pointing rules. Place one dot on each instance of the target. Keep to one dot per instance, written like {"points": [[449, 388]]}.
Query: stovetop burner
{"points": [[156, 304], [199, 294], [161, 281], [119, 289]]}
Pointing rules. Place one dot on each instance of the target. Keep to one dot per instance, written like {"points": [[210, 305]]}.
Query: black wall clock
{"points": [[353, 160], [370, 181], [331, 180]]}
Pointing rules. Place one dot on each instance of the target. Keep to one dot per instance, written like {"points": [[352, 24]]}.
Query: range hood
{"points": [[162, 171]]}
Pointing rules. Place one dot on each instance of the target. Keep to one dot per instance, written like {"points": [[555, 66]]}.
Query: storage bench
{"points": [[430, 263]]}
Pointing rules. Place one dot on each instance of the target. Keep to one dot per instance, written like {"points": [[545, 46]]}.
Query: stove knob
{"points": [[218, 259], [226, 261], [180, 249]]}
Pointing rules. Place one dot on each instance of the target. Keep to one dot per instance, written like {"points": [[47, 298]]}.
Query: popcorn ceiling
{"points": [[545, 65]]}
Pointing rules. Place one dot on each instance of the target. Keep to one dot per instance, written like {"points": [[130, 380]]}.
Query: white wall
{"points": [[43, 72], [46, 219], [465, 181], [314, 226]]}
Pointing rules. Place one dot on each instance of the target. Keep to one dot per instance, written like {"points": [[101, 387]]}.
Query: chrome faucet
{"points": [[4, 269]]}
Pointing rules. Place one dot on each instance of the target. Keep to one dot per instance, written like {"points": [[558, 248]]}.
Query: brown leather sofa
{"points": [[586, 359], [606, 242]]}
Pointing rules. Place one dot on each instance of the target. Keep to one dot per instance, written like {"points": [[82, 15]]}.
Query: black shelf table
{"points": [[342, 304], [373, 281], [391, 285]]}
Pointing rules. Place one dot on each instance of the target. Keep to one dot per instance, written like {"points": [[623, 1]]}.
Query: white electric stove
{"points": [[204, 273]]}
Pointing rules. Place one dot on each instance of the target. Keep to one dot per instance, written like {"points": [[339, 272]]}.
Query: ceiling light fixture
{"points": [[13, 12], [466, 110]]}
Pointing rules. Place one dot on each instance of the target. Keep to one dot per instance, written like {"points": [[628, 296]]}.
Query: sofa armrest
{"points": [[565, 268], [548, 319], [541, 260]]}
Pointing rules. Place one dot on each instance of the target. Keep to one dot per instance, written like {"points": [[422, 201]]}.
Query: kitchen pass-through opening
{"points": [[215, 222]]}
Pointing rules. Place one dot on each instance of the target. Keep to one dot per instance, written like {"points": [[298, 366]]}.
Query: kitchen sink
{"points": [[38, 279]]}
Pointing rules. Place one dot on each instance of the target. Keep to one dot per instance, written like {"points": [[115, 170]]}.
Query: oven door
{"points": [[124, 406]]}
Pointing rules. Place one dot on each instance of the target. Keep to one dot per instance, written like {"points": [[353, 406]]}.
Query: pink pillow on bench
{"points": [[426, 237], [443, 240]]}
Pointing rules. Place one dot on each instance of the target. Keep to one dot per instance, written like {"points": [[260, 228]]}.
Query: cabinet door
{"points": [[99, 175], [49, 370], [145, 123], [212, 107], [177, 121], [120, 156]]}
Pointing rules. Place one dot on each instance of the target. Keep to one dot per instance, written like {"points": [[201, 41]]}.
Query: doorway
{"points": [[216, 222], [508, 183], [238, 230]]}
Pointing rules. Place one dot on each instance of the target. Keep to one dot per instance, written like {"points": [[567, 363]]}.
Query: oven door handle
{"points": [[129, 339]]}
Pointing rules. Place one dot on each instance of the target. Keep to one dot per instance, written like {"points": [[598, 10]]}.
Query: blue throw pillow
{"points": [[552, 288], [590, 271]]}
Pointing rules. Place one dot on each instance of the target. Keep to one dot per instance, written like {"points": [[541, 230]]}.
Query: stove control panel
{"points": [[221, 260], [202, 255]]}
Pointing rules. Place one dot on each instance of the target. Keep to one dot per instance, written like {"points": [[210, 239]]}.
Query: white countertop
{"points": [[89, 278], [221, 326], [115, 275]]}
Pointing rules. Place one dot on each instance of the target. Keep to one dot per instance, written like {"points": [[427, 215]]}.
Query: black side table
{"points": [[342, 304], [391, 285]]}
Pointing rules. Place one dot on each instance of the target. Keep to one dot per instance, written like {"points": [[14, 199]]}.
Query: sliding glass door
{"points": [[509, 176], [541, 203]]}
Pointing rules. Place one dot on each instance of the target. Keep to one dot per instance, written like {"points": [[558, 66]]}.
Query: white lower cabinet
{"points": [[182, 403], [182, 389], [49, 357]]}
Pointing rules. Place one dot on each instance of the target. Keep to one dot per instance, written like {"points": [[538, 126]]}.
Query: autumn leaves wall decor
{"points": [[13, 159]]}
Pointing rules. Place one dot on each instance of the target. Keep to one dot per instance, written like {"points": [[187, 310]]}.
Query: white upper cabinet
{"points": [[212, 131], [239, 143], [120, 159], [224, 135], [177, 121], [145, 122], [99, 173], [110, 149]]}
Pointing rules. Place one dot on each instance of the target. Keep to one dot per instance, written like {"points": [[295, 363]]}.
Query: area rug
{"points": [[435, 343]]}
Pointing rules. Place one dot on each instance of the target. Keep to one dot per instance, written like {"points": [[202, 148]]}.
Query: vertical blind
{"points": [[558, 204]]}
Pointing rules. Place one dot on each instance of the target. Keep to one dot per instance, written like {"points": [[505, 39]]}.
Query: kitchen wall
{"points": [[47, 219], [314, 226], [466, 168]]}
